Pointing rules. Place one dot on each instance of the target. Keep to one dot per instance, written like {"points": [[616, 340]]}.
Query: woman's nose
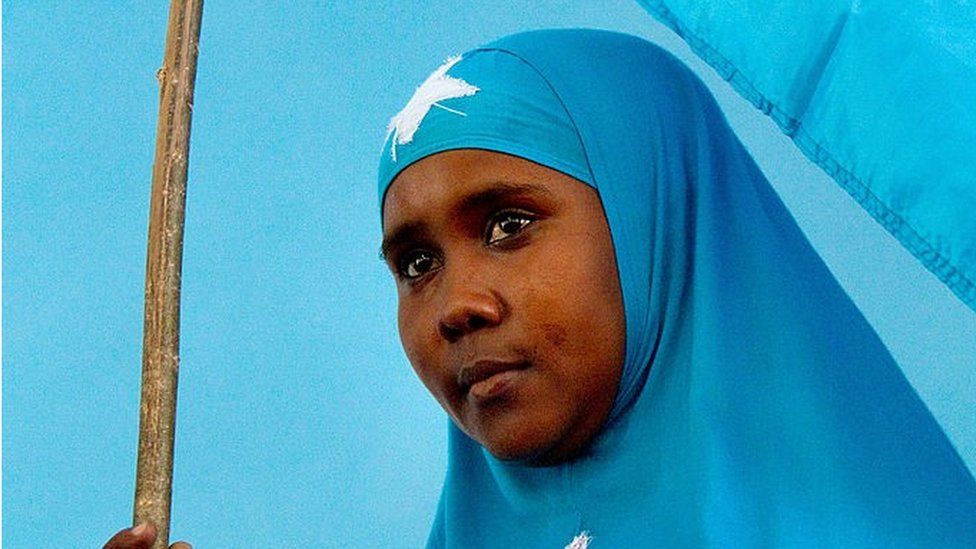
{"points": [[470, 305]]}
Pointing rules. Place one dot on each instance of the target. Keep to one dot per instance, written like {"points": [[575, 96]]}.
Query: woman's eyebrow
{"points": [[408, 232], [498, 191]]}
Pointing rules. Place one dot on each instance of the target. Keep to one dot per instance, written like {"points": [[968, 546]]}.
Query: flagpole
{"points": [[160, 353]]}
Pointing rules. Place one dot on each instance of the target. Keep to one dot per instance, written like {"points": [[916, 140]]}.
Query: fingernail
{"points": [[139, 529]]}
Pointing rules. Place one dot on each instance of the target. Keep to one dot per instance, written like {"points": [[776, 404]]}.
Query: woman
{"points": [[752, 405], [635, 343]]}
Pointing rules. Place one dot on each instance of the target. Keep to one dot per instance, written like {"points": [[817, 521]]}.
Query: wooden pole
{"points": [[161, 332]]}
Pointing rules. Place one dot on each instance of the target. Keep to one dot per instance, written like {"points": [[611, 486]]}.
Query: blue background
{"points": [[300, 422]]}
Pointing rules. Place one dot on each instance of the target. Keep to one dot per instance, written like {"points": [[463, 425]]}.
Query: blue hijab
{"points": [[757, 407]]}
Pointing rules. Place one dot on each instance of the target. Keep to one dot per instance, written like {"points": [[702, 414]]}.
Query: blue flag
{"points": [[881, 95]]}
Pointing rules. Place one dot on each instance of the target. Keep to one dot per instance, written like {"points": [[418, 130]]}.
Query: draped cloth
{"points": [[881, 95], [757, 407]]}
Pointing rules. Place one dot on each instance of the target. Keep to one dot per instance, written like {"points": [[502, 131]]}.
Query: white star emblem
{"points": [[581, 541], [437, 87]]}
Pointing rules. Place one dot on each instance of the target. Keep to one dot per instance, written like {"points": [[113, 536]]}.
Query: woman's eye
{"points": [[505, 225], [418, 263]]}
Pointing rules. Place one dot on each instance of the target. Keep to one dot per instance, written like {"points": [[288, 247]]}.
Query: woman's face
{"points": [[510, 305]]}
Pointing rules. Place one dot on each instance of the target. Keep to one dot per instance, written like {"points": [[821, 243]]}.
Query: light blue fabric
{"points": [[757, 406], [881, 95]]}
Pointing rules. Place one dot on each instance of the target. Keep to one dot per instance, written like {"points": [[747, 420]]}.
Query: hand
{"points": [[140, 537]]}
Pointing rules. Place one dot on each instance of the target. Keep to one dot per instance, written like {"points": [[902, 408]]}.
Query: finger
{"points": [[139, 537], [181, 545]]}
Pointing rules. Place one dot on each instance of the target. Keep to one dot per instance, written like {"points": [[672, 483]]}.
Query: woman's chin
{"points": [[508, 442], [533, 456], [521, 430], [528, 447], [509, 452]]}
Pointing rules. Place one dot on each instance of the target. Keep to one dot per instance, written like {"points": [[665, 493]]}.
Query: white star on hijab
{"points": [[437, 87], [581, 541]]}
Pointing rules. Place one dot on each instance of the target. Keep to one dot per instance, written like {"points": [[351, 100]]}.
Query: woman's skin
{"points": [[510, 308], [140, 536]]}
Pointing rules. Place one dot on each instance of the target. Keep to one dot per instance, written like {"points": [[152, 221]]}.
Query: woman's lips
{"points": [[486, 379]]}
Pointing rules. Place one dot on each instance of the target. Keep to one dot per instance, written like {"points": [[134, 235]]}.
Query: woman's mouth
{"points": [[489, 379]]}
